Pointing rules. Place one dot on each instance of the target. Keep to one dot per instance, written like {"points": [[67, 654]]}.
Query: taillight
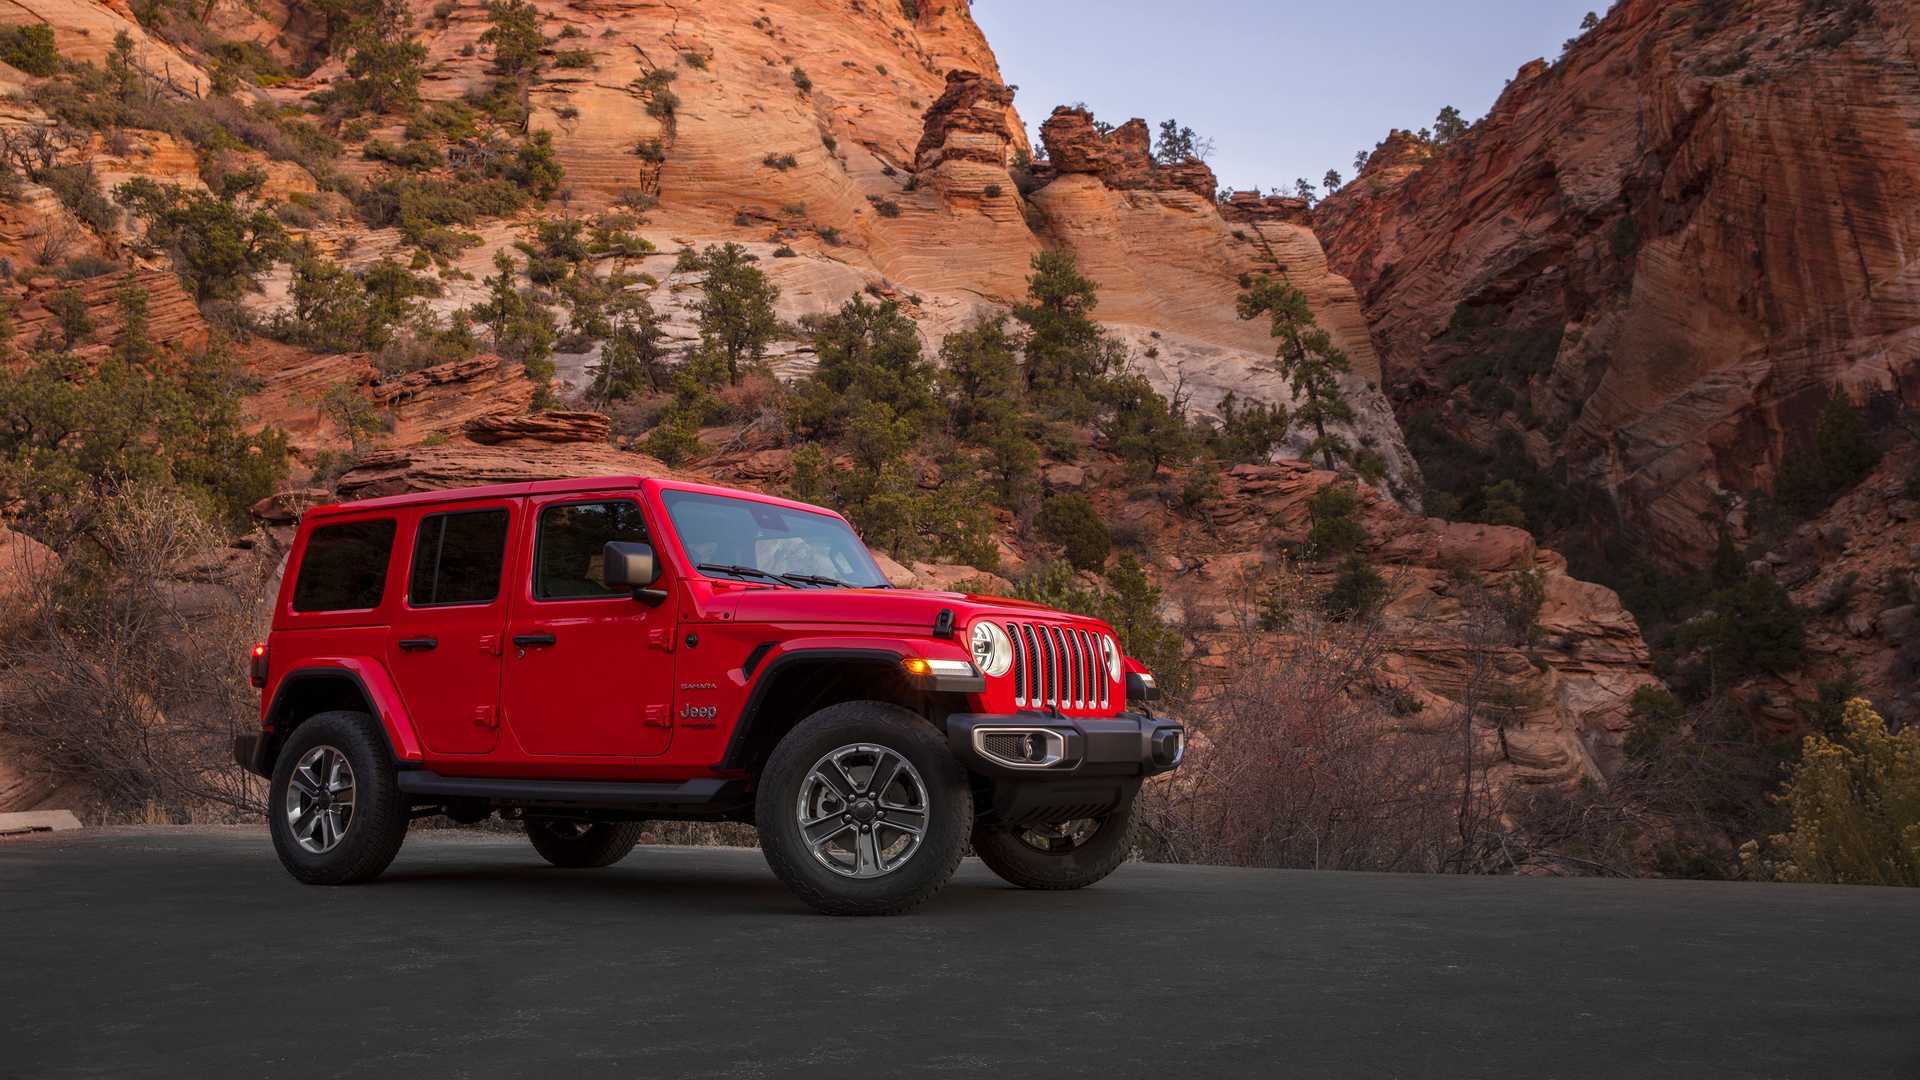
{"points": [[257, 667]]}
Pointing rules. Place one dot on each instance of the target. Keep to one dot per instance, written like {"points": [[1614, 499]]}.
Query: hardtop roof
{"points": [[522, 488]]}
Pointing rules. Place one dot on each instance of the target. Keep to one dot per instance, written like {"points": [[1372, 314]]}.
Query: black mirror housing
{"points": [[629, 566]]}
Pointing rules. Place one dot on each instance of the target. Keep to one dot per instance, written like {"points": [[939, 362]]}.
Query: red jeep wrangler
{"points": [[586, 655]]}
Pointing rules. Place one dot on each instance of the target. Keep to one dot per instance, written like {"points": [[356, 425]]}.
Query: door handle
{"points": [[416, 644], [529, 640]]}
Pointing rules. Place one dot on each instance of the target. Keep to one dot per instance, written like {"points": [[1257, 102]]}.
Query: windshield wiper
{"points": [[818, 579], [745, 571]]}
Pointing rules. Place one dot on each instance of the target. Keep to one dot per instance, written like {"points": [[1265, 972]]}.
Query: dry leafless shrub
{"points": [[128, 670], [1299, 759], [1308, 752], [53, 239]]}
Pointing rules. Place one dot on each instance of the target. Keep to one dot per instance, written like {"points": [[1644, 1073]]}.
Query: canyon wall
{"points": [[1655, 258]]}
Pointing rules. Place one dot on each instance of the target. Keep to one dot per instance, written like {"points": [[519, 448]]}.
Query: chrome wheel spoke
{"points": [[912, 822], [883, 773], [821, 830], [304, 779], [867, 851], [834, 775]]}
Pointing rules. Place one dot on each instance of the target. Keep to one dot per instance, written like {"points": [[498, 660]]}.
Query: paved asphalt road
{"points": [[188, 952]]}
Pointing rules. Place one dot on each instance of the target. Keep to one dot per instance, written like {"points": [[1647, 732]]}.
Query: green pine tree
{"points": [[736, 311], [1067, 353], [384, 61], [1307, 358]]}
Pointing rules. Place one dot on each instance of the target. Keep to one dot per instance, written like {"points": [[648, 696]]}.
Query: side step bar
{"points": [[707, 797]]}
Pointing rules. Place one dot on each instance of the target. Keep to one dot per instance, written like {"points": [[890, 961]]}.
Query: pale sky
{"points": [[1284, 89]]}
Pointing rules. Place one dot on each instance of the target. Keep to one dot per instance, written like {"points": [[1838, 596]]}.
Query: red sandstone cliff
{"points": [[1667, 248]]}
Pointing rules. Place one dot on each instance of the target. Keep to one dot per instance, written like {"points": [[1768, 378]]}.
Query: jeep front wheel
{"points": [[1059, 855], [862, 810], [334, 807], [582, 845]]}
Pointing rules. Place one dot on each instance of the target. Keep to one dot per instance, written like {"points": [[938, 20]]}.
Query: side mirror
{"points": [[632, 566]]}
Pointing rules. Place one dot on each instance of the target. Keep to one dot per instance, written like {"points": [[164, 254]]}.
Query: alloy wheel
{"points": [[319, 799], [863, 810]]}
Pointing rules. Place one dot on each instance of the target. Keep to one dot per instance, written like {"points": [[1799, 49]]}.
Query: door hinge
{"points": [[490, 644], [657, 716], [660, 639], [483, 716]]}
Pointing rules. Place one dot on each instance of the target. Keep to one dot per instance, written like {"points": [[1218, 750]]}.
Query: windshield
{"points": [[757, 541]]}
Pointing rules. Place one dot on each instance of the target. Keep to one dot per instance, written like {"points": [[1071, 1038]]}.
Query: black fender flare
{"points": [[735, 757]]}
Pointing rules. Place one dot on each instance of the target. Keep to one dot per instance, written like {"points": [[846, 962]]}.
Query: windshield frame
{"points": [[857, 553]]}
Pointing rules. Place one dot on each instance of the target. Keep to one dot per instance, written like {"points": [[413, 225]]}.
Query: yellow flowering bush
{"points": [[1855, 805]]}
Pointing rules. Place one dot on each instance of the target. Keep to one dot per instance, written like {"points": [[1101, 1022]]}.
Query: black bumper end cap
{"points": [[247, 753]]}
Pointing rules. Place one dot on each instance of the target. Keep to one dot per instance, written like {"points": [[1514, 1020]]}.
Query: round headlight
{"points": [[1112, 654], [992, 649]]}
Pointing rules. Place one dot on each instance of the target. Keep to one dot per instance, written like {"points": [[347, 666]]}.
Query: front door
{"points": [[589, 669], [443, 645]]}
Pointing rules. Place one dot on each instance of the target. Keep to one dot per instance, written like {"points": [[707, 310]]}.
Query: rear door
{"points": [[444, 647], [589, 669]]}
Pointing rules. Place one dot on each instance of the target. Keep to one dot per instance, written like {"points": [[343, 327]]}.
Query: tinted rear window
{"points": [[457, 558], [345, 566]]}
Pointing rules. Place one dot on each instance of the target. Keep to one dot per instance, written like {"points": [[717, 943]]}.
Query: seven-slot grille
{"points": [[1057, 666]]}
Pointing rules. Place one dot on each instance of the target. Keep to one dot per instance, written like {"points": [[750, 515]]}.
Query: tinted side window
{"points": [[345, 566], [567, 555], [457, 558]]}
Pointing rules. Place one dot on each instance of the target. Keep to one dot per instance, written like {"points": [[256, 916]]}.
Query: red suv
{"points": [[587, 655]]}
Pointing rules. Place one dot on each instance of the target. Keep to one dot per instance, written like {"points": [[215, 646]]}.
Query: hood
{"points": [[903, 608]]}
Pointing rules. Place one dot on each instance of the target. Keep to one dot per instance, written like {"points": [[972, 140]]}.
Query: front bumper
{"points": [[1042, 746]]}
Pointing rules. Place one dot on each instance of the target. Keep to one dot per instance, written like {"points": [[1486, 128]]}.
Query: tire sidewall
{"points": [[379, 820], [949, 804]]}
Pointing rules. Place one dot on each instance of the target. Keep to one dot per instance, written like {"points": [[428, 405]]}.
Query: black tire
{"points": [[579, 845], [371, 833], [1009, 853], [923, 869]]}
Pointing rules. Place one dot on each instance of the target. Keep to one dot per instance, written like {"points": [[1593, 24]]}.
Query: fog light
{"points": [[1021, 748], [1036, 746]]}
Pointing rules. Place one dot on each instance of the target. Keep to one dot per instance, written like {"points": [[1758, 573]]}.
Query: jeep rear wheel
{"points": [[334, 807], [1058, 855], [862, 810], [582, 845]]}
